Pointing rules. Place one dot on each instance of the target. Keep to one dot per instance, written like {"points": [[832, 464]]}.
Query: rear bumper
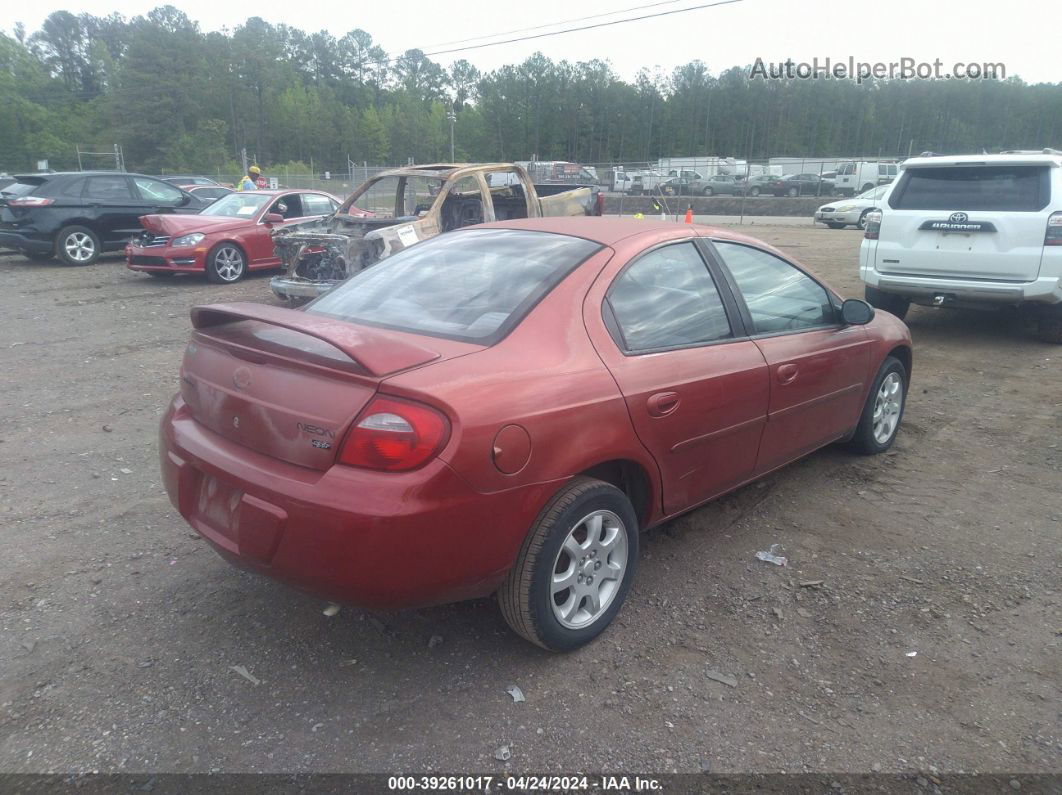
{"points": [[178, 260], [377, 540], [22, 242], [288, 287], [1044, 290]]}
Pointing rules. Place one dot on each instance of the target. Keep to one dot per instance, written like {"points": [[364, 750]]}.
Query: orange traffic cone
{"points": [[689, 214]]}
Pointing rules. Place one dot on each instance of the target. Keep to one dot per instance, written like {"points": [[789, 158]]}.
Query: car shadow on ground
{"points": [[930, 325]]}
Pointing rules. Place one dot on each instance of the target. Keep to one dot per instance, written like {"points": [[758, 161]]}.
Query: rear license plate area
{"points": [[217, 504]]}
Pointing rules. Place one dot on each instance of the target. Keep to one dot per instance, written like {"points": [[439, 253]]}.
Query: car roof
{"points": [[609, 231], [1010, 158]]}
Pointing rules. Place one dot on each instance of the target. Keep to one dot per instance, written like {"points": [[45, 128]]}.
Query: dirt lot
{"points": [[932, 644]]}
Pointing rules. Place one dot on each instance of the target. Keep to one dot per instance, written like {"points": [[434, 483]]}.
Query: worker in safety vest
{"points": [[252, 180]]}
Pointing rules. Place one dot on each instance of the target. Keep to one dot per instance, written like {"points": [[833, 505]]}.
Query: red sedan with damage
{"points": [[226, 239], [503, 408]]}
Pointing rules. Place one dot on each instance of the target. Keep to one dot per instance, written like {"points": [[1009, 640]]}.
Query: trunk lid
{"points": [[285, 383]]}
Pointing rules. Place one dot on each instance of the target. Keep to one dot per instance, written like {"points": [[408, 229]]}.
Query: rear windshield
{"points": [[19, 189], [1001, 188], [473, 285]]}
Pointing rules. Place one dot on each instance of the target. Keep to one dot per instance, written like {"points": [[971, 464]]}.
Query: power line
{"points": [[551, 24], [584, 27]]}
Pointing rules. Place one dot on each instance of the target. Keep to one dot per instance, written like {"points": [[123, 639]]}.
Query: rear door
{"points": [[967, 221], [818, 367], [695, 386], [115, 207]]}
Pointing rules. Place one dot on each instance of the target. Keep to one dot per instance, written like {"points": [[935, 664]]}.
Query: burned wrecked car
{"points": [[398, 208]]}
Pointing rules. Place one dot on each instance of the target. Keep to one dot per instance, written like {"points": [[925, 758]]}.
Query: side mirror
{"points": [[185, 200], [856, 313], [273, 218]]}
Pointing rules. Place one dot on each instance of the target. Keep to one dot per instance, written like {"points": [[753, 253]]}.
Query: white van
{"points": [[971, 230], [859, 176]]}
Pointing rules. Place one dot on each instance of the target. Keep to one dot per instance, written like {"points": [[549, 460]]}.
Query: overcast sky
{"points": [[1022, 34]]}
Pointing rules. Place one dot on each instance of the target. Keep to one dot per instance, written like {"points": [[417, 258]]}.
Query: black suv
{"points": [[78, 215]]}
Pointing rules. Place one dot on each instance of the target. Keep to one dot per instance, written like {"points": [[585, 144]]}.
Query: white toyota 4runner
{"points": [[970, 231]]}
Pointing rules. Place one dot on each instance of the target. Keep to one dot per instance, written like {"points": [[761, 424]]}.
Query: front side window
{"points": [[473, 285], [155, 190], [114, 188], [289, 206], [989, 188], [667, 299], [779, 296]]}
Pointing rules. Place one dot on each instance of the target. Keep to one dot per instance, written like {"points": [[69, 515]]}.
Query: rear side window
{"points": [[473, 285], [108, 188], [999, 188], [316, 204], [779, 296], [667, 299]]}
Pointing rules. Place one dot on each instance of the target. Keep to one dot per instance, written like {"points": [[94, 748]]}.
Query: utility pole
{"points": [[243, 157], [452, 118]]}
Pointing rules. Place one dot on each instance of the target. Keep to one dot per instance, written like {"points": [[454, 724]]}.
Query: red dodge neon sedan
{"points": [[226, 239], [502, 409]]}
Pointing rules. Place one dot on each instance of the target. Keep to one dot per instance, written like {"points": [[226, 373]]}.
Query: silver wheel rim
{"points": [[887, 407], [589, 569], [228, 263], [79, 247]]}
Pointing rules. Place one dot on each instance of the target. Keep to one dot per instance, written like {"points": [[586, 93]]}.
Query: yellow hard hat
{"points": [[255, 170]]}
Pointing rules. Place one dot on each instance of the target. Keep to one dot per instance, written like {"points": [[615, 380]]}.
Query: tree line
{"points": [[180, 99]]}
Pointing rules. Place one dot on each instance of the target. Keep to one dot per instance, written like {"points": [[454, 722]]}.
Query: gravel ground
{"points": [[917, 627]]}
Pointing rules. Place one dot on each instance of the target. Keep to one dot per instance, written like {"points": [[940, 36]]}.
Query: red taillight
{"points": [[29, 201], [1053, 237], [873, 227], [394, 435]]}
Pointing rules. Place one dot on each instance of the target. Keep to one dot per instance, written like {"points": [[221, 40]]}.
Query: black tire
{"points": [[226, 263], [1049, 325], [893, 304], [754, 192], [707, 192], [77, 245], [834, 225], [862, 222], [526, 597], [39, 256], [865, 440], [792, 192]]}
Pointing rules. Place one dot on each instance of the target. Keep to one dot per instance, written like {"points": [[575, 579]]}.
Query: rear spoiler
{"points": [[380, 353]]}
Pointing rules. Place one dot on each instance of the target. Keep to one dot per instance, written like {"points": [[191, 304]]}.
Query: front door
{"points": [[696, 390], [818, 367]]}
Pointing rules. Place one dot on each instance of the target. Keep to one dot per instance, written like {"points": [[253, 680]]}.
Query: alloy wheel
{"points": [[228, 262], [887, 407], [79, 247], [589, 569]]}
